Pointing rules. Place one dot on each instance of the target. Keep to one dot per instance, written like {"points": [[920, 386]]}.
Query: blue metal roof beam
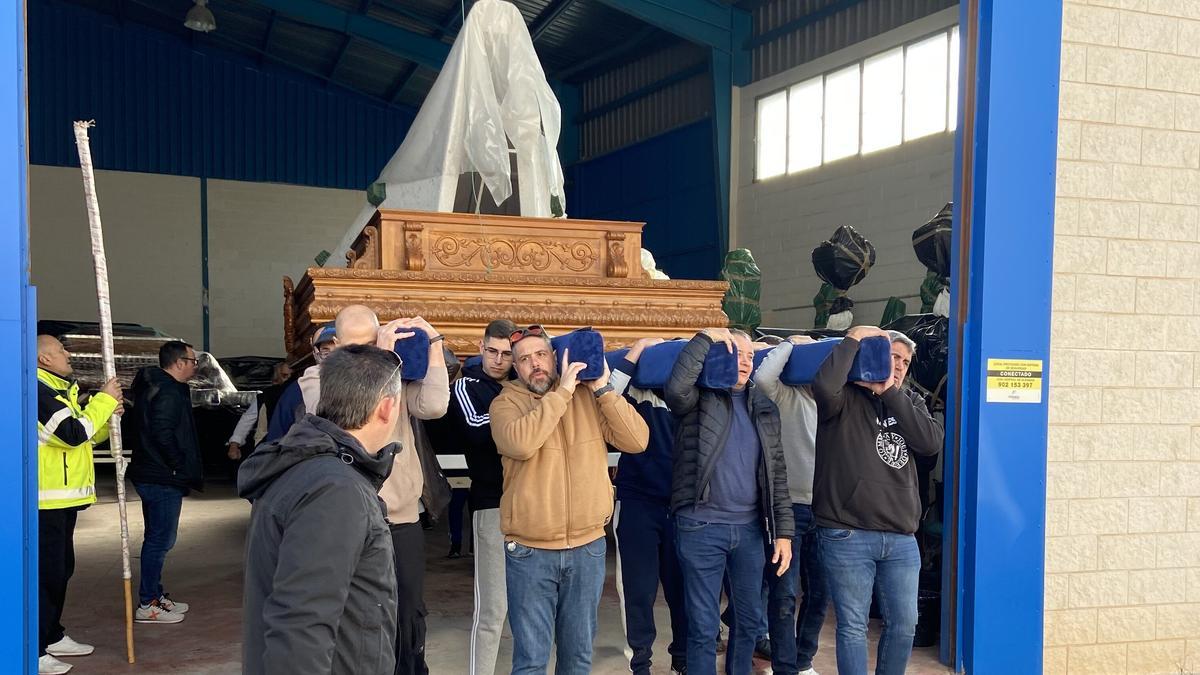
{"points": [[710, 23], [634, 43], [451, 22], [800, 23], [548, 17], [415, 47]]}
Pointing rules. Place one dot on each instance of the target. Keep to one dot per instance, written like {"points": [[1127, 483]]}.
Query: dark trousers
{"points": [[161, 505], [794, 634], [408, 542], [646, 557], [458, 499], [56, 564]]}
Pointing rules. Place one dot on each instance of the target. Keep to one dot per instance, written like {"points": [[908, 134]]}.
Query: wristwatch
{"points": [[603, 390]]}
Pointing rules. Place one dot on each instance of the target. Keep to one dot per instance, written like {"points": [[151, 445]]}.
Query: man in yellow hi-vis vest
{"points": [[66, 485]]}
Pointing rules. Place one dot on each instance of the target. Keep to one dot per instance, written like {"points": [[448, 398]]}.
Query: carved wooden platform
{"points": [[460, 271], [421, 241]]}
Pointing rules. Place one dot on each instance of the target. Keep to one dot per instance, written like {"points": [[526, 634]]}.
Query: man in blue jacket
{"points": [[643, 526]]}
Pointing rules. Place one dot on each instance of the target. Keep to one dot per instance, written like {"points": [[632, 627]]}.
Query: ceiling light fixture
{"points": [[200, 17]]}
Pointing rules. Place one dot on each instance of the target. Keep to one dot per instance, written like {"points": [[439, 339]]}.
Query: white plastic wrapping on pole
{"points": [[106, 349], [490, 94]]}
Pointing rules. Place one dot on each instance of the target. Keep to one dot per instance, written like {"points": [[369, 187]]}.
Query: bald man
{"points": [[354, 325], [66, 485]]}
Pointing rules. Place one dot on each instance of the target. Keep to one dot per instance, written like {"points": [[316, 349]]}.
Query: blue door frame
{"points": [[1010, 56], [1004, 239], [18, 321]]}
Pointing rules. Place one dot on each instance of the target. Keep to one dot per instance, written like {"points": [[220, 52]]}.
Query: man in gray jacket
{"points": [[320, 587], [794, 643]]}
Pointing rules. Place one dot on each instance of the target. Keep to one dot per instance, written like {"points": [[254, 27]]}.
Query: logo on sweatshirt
{"points": [[892, 449]]}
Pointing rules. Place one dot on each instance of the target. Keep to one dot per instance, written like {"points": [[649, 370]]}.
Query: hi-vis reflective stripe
{"points": [[66, 493], [61, 416]]}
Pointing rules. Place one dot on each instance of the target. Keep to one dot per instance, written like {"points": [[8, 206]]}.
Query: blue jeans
{"points": [[706, 552], [794, 635], [646, 557], [553, 596], [161, 505], [856, 561]]}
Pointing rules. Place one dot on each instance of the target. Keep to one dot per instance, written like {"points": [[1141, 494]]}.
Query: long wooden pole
{"points": [[106, 348]]}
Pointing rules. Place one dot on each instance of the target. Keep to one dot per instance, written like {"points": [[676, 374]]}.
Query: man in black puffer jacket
{"points": [[164, 467], [729, 496]]}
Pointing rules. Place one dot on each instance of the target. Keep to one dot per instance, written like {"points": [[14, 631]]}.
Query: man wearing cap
{"points": [[551, 436], [294, 401]]}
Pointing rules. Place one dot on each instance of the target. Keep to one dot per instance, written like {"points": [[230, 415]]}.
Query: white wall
{"points": [[257, 232], [152, 243], [885, 195]]}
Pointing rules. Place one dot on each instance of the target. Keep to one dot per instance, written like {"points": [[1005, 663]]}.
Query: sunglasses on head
{"points": [[522, 333]]}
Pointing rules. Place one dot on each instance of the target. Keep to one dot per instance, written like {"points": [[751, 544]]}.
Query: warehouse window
{"points": [[925, 87], [805, 112], [772, 135], [882, 100], [907, 92], [842, 94]]}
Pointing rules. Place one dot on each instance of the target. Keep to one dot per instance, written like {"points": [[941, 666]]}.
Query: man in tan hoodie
{"points": [[557, 498]]}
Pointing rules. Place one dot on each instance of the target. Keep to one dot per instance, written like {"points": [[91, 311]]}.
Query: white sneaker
{"points": [[810, 671], [173, 606], [155, 613], [48, 665], [69, 647]]}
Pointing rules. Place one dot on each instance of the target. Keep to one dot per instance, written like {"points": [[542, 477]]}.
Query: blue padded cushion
{"points": [[872, 364], [615, 357], [473, 361], [720, 369], [655, 364], [414, 352], [585, 345]]}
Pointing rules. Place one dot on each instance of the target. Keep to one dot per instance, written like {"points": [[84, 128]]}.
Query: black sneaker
{"points": [[762, 649], [679, 668], [455, 552]]}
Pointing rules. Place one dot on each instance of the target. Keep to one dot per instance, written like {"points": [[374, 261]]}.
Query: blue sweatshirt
{"points": [[647, 475], [733, 491]]}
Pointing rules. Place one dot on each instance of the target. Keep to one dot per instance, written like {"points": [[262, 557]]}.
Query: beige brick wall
{"points": [[1123, 481]]}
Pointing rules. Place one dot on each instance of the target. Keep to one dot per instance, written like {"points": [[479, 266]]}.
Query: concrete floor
{"points": [[205, 570]]}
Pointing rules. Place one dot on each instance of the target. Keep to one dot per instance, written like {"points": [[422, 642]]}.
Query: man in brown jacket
{"points": [[557, 498]]}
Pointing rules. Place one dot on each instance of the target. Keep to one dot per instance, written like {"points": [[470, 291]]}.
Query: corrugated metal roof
{"points": [[827, 34]]}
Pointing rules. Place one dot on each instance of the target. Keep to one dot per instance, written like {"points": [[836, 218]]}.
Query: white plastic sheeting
{"points": [[490, 95]]}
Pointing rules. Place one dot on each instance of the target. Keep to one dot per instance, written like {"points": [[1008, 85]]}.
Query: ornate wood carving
{"points": [[414, 250], [461, 271], [289, 314], [444, 276], [369, 257], [513, 254], [616, 255]]}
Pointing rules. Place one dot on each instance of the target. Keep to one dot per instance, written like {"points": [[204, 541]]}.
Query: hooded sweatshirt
{"points": [[320, 581], [557, 494], [865, 479]]}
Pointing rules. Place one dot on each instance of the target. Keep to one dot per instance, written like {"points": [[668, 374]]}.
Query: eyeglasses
{"points": [[494, 354], [188, 358], [522, 333]]}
